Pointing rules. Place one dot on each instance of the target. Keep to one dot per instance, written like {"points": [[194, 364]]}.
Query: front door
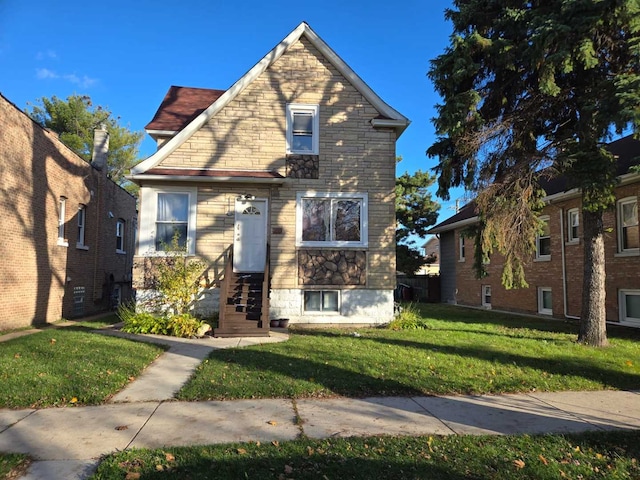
{"points": [[250, 236]]}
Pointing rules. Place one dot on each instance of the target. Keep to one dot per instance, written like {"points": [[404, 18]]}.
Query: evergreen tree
{"points": [[532, 90]]}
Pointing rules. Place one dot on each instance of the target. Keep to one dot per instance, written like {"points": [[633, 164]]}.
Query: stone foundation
{"points": [[303, 166], [332, 267]]}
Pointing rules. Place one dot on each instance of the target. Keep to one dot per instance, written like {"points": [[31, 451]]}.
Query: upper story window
{"points": [[120, 224], [332, 219], [543, 241], [82, 218], [302, 129], [628, 231], [461, 248], [573, 225], [167, 213], [62, 212]]}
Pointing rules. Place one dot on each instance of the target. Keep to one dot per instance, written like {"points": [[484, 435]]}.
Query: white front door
{"points": [[250, 236]]}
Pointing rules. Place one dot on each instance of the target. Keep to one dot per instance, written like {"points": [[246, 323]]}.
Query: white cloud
{"points": [[83, 81], [46, 54]]}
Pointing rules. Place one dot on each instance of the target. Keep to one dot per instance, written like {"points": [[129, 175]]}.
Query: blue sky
{"points": [[125, 55]]}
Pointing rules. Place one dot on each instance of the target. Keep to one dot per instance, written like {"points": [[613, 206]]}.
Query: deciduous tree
{"points": [[532, 90]]}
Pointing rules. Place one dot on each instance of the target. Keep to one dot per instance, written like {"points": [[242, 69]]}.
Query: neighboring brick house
{"points": [[68, 231], [554, 273], [293, 165]]}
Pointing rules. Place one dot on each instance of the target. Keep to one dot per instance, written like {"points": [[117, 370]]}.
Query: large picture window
{"points": [[332, 219]]}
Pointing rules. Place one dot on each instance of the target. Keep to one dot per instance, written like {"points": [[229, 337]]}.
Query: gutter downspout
{"points": [[564, 270]]}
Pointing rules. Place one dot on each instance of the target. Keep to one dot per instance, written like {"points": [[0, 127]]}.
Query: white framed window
{"points": [[326, 301], [543, 241], [486, 296], [332, 219], [120, 230], [62, 213], [82, 219], [461, 252], [167, 212], [573, 225], [627, 222], [303, 127], [545, 301], [629, 306]]}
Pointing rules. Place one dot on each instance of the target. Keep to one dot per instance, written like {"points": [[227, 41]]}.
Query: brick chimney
{"points": [[100, 148]]}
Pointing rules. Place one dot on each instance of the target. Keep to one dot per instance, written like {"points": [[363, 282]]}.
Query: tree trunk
{"points": [[593, 327]]}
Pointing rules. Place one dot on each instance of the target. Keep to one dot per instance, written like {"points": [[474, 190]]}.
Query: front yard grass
{"points": [[13, 465], [68, 366], [612, 455], [463, 351]]}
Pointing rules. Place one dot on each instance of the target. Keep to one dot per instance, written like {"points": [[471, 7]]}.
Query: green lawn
{"points": [[12, 464], [611, 455], [462, 351], [67, 366]]}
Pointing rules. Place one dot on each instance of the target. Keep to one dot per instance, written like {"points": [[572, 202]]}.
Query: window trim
{"points": [[483, 293], [542, 310], [147, 233], [622, 307], [62, 213], [539, 256], [570, 237], [120, 235], [619, 204], [291, 110], [322, 312], [364, 215]]}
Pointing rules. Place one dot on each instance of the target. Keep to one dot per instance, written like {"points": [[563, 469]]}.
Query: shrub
{"points": [[409, 318], [142, 322], [184, 325]]}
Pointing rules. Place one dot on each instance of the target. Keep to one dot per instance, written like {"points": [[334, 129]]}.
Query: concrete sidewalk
{"points": [[66, 443]]}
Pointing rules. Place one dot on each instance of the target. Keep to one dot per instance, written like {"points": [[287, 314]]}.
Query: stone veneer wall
{"points": [[332, 267], [303, 166]]}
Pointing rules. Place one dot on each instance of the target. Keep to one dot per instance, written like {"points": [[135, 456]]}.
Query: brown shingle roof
{"points": [[181, 105]]}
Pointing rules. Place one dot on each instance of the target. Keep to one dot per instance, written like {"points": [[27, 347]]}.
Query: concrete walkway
{"points": [[66, 443]]}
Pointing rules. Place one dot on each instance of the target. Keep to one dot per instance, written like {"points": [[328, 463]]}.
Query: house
{"points": [[283, 185], [554, 273], [68, 229], [431, 249]]}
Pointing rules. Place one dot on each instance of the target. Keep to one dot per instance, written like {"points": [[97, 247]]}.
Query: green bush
{"points": [[409, 318], [184, 325], [142, 322]]}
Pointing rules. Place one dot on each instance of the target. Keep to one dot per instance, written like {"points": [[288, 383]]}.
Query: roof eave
{"points": [[399, 125], [453, 226], [204, 179]]}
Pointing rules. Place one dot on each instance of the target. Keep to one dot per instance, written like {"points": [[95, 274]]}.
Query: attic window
{"points": [[302, 129]]}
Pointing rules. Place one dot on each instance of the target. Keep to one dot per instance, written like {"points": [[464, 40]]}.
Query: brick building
{"points": [[68, 230], [554, 273], [293, 170]]}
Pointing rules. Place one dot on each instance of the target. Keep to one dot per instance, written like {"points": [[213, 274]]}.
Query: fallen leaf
{"points": [[241, 451], [272, 422], [132, 476], [310, 451], [599, 456], [288, 469], [74, 400], [577, 449], [543, 460], [629, 363], [122, 427], [519, 463], [52, 341], [169, 457], [17, 355], [275, 443], [159, 468]]}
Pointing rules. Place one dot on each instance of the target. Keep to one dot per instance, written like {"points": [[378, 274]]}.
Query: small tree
{"points": [[415, 213], [178, 278]]}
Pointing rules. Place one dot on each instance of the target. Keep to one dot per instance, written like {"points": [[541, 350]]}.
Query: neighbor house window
{"points": [[120, 236], [82, 218], [628, 232], [573, 225], [461, 248], [334, 219], [629, 302], [62, 212], [486, 296], [543, 241], [321, 301], [167, 214], [545, 304], [302, 129]]}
